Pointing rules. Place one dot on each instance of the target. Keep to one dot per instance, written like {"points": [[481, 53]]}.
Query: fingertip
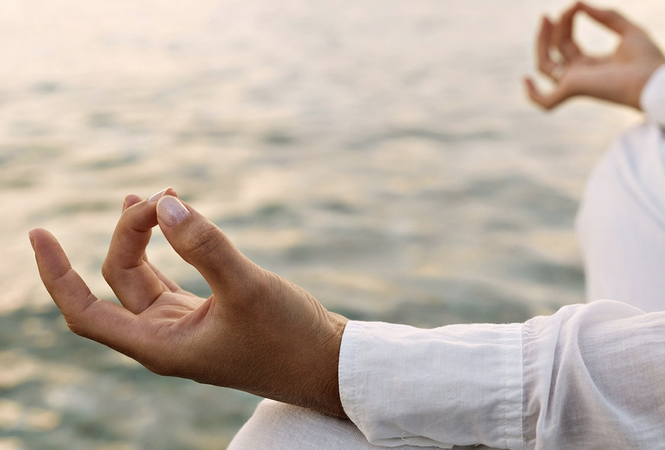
{"points": [[37, 231], [50, 256], [534, 94], [37, 235], [528, 84], [130, 200], [154, 198], [544, 22], [171, 211], [546, 28]]}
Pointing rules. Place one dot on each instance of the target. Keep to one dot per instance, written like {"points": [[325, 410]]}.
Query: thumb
{"points": [[200, 242]]}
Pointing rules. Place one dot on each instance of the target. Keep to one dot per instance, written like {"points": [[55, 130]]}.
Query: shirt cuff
{"points": [[454, 385], [652, 98]]}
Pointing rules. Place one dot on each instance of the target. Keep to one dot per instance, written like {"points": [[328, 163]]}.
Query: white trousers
{"points": [[621, 222], [276, 426], [621, 227]]}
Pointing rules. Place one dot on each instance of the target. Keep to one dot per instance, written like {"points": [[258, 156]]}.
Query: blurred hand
{"points": [[257, 332], [617, 77]]}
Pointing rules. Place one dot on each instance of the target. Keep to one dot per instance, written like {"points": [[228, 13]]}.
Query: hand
{"points": [[617, 77], [257, 332]]}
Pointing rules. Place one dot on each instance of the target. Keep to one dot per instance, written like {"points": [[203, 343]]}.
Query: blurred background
{"points": [[381, 154]]}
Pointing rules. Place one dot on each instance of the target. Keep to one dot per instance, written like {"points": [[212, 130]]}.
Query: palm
{"points": [[169, 308]]}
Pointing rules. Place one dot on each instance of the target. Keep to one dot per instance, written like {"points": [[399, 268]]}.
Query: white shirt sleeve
{"points": [[652, 98], [589, 376]]}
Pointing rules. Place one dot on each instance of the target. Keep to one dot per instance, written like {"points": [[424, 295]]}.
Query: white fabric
{"points": [[450, 385], [277, 426], [652, 97], [590, 376]]}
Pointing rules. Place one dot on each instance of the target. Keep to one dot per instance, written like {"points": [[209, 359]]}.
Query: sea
{"points": [[381, 154]]}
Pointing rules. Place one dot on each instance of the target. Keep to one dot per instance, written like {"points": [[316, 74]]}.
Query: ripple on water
{"points": [[128, 159]]}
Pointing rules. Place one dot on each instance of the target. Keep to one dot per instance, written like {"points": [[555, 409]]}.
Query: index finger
{"points": [[610, 18]]}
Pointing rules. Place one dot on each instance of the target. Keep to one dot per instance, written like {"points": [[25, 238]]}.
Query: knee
{"points": [[277, 426], [272, 426]]}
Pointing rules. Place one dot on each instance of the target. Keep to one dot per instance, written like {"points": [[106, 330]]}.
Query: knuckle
{"points": [[260, 289], [268, 284], [203, 243], [75, 327]]}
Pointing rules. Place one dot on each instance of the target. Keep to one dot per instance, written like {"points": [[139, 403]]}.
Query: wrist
{"points": [[306, 374], [641, 82], [326, 398]]}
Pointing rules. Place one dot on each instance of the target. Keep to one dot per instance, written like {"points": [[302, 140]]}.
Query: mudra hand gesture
{"points": [[616, 77], [257, 332]]}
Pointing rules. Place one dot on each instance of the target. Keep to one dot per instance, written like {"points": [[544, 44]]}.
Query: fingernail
{"points": [[32, 241], [156, 196], [171, 211]]}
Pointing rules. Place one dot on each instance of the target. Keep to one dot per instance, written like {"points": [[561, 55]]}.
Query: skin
{"points": [[618, 77], [258, 332]]}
